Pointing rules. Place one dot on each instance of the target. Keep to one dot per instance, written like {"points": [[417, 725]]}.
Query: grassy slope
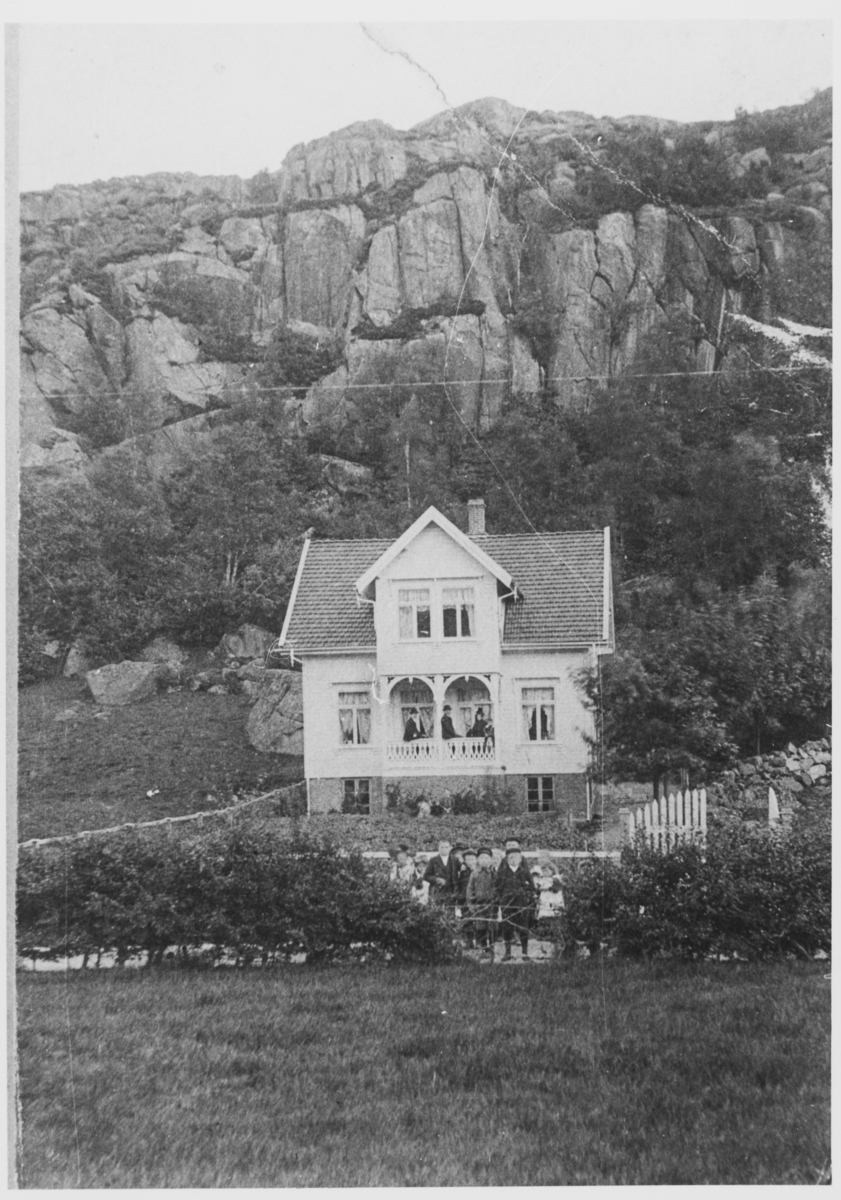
{"points": [[94, 771], [594, 1073]]}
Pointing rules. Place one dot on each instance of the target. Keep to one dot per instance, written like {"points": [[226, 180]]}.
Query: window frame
{"points": [[355, 793], [435, 589], [545, 797], [524, 685], [339, 690], [414, 606], [452, 585]]}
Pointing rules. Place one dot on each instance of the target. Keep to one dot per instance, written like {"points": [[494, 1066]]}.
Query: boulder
{"points": [[124, 683], [76, 664], [249, 641], [161, 650], [276, 722]]}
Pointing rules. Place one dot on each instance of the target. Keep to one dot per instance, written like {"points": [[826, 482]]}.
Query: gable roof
{"points": [[433, 517], [563, 580]]}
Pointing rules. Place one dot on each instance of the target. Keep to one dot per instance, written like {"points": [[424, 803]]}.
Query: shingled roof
{"points": [[561, 577]]}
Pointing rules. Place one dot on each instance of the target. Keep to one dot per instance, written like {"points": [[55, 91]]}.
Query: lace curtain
{"points": [[539, 714], [355, 717]]}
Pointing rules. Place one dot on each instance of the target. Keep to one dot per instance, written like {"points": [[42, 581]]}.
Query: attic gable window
{"points": [[458, 612], [415, 620]]}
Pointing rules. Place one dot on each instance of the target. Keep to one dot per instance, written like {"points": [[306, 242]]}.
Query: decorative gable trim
{"points": [[294, 595], [607, 602], [433, 516]]}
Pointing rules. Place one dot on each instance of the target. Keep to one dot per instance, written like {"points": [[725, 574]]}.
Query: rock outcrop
{"points": [[276, 722], [247, 642], [461, 254]]}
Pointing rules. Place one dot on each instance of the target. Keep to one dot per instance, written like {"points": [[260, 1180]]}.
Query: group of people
{"points": [[486, 899], [482, 727]]}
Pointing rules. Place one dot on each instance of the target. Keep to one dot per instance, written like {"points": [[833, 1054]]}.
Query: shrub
{"points": [[409, 323], [752, 893], [262, 188], [236, 888], [296, 360]]}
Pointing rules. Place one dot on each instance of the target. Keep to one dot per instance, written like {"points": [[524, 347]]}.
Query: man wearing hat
{"points": [[515, 893], [447, 728], [411, 733]]}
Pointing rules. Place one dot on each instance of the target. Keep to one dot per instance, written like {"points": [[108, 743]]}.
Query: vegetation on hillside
{"points": [[714, 489]]}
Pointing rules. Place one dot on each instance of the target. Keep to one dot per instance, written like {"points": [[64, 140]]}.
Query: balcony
{"points": [[455, 753]]}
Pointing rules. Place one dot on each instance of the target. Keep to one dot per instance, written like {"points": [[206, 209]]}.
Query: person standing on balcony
{"points": [[447, 727], [480, 725], [411, 733]]}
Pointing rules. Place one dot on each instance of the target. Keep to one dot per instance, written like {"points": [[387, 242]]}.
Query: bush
{"points": [[296, 360], [237, 888], [409, 322], [752, 894]]}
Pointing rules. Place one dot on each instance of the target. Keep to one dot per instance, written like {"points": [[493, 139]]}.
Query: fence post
{"points": [[672, 833], [626, 819]]}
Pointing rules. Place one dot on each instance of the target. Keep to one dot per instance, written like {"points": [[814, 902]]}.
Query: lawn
{"points": [[595, 1072]]}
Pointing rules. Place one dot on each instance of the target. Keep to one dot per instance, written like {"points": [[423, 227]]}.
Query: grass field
{"points": [[91, 771], [589, 1073]]}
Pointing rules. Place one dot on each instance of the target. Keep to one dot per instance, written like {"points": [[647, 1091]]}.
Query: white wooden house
{"points": [[495, 627]]}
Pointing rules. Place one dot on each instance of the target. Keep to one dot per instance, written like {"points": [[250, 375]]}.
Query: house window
{"points": [[355, 718], [357, 797], [458, 612], [539, 714], [540, 793], [414, 613]]}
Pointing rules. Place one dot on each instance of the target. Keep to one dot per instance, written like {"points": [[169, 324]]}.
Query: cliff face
{"points": [[475, 248]]}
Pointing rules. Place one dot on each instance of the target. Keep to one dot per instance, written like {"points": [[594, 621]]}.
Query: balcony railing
{"points": [[458, 751]]}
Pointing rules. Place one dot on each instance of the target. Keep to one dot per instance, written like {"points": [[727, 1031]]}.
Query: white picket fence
{"points": [[678, 817], [668, 820]]}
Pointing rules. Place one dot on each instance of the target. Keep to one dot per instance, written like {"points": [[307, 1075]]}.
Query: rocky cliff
{"points": [[498, 250]]}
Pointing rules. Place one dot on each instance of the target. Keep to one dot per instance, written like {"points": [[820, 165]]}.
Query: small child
{"points": [[481, 902], [403, 868], [468, 866]]}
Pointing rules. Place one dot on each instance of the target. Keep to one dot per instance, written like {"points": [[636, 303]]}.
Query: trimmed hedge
{"points": [[237, 889], [752, 893]]}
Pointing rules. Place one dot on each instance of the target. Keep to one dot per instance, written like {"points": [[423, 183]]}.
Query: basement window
{"points": [[540, 793], [357, 796]]}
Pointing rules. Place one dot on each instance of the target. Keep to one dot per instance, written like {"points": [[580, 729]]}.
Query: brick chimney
{"points": [[475, 517]]}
